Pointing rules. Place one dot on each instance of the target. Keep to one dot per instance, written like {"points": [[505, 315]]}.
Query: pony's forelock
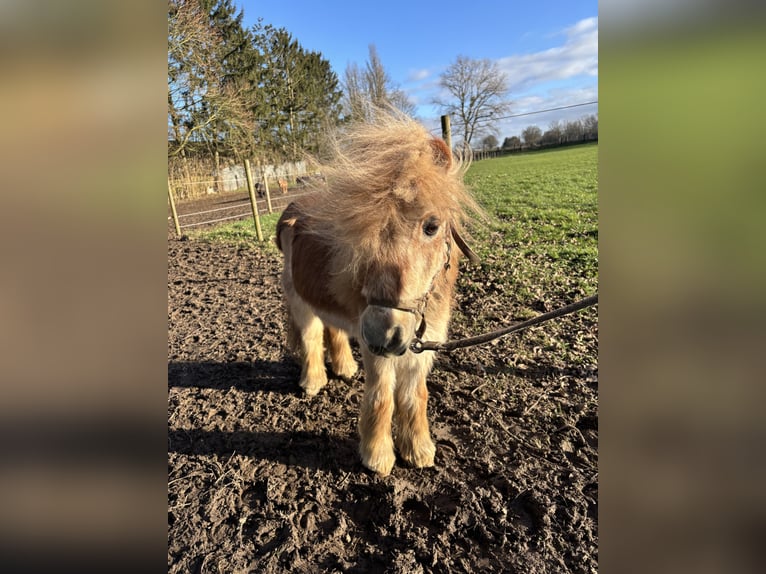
{"points": [[376, 172]]}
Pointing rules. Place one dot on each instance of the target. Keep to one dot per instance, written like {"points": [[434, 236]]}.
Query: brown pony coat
{"points": [[377, 240]]}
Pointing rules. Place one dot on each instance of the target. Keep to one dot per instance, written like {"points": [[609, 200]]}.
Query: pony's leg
{"points": [[376, 444], [343, 363], [413, 437], [311, 329]]}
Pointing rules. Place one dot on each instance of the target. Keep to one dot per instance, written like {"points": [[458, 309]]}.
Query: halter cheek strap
{"points": [[420, 307]]}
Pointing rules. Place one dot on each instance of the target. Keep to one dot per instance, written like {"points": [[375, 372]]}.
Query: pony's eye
{"points": [[431, 226]]}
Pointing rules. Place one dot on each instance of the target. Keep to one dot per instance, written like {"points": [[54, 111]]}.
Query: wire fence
{"points": [[213, 210], [247, 213], [259, 200]]}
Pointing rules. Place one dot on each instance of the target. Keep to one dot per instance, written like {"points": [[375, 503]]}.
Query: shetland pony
{"points": [[373, 254], [282, 185]]}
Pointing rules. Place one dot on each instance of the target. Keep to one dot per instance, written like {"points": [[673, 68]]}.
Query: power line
{"points": [[548, 110], [537, 112]]}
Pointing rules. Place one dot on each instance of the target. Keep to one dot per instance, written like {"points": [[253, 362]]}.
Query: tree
{"points": [[590, 127], [300, 92], [555, 133], [479, 89], [512, 143], [489, 143], [203, 109], [236, 90], [355, 100], [531, 136], [371, 88], [573, 131]]}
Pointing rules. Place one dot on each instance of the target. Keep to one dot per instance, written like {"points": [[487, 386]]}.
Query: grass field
{"points": [[537, 200], [542, 223]]}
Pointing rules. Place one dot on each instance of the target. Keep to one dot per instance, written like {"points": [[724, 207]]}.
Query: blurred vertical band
{"points": [[83, 283], [682, 269]]}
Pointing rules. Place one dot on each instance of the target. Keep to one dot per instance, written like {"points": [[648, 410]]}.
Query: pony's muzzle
{"points": [[383, 330]]}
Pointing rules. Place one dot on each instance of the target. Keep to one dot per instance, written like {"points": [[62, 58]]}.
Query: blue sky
{"points": [[549, 49]]}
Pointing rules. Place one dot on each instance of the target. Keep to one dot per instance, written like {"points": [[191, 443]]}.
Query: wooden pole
{"points": [[218, 184], [254, 205], [447, 132], [173, 209], [266, 188]]}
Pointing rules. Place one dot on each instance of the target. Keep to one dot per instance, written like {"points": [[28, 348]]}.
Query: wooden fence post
{"points": [[447, 132], [265, 187], [173, 209], [251, 191], [218, 183]]}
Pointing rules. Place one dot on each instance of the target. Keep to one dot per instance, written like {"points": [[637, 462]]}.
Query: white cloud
{"points": [[577, 56], [418, 75]]}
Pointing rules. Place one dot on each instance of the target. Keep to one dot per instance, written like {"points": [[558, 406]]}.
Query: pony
{"points": [[282, 185], [373, 255]]}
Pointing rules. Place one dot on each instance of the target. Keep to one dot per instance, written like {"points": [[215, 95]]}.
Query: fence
{"points": [[235, 178], [231, 179], [477, 154], [199, 176]]}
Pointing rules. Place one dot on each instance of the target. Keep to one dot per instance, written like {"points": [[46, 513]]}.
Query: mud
{"points": [[261, 479]]}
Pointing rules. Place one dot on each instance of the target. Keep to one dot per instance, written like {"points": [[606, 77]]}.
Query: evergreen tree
{"points": [[239, 91], [206, 108], [300, 92]]}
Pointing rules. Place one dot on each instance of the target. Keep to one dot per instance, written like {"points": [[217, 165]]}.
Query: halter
{"points": [[420, 304]]}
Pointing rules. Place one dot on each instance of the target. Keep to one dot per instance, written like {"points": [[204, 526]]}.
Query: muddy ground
{"points": [[262, 479]]}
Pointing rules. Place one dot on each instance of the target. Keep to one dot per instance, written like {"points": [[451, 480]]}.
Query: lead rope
{"points": [[418, 346]]}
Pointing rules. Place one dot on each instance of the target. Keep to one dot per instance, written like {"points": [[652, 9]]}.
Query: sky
{"points": [[548, 48]]}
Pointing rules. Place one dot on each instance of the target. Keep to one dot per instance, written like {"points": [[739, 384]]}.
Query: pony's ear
{"points": [[441, 153]]}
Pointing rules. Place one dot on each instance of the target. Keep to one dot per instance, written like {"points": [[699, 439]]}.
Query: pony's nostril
{"points": [[376, 350], [396, 338]]}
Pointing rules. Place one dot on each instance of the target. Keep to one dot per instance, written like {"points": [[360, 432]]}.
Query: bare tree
{"points": [[573, 131], [590, 126], [376, 78], [201, 107], [479, 90], [355, 98], [489, 142], [555, 131], [372, 88], [513, 142], [531, 135]]}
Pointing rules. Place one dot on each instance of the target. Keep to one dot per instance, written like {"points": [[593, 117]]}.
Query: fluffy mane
{"points": [[382, 175]]}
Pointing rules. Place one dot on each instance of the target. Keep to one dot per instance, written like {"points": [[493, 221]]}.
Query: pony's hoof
{"points": [[419, 454], [346, 370], [380, 462], [312, 388]]}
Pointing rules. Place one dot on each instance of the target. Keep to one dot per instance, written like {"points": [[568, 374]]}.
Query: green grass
{"points": [[539, 251], [240, 232], [543, 220]]}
